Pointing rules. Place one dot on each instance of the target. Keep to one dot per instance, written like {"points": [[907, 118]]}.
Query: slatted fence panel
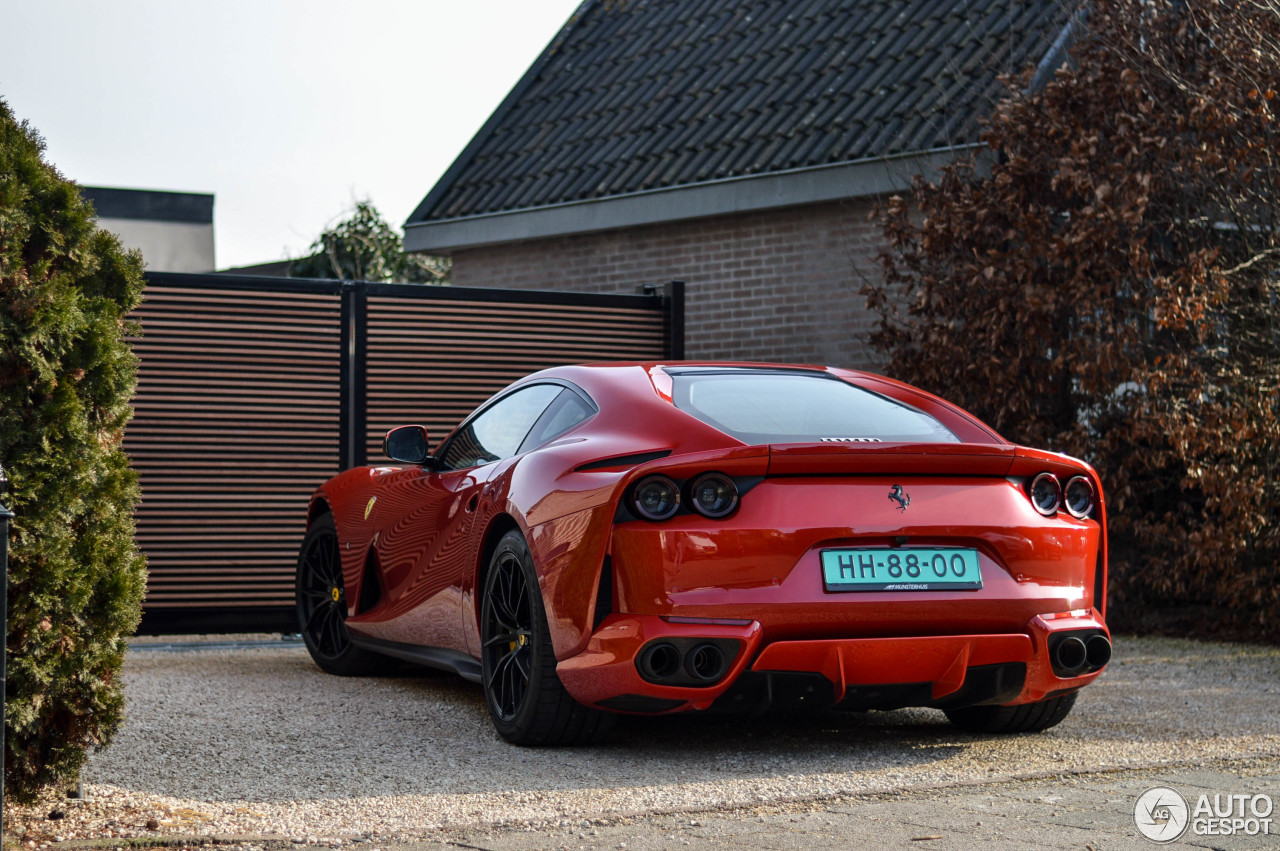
{"points": [[253, 391], [236, 422], [457, 353]]}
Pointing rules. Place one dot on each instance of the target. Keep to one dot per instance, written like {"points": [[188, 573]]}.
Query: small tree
{"points": [[363, 247], [1110, 289], [76, 579]]}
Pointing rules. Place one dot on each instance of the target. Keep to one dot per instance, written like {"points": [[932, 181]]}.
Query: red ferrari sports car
{"points": [[661, 537]]}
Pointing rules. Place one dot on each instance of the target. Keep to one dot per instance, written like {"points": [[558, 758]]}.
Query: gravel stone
{"points": [[254, 741]]}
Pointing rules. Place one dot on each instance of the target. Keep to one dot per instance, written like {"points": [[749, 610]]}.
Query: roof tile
{"points": [[655, 93]]}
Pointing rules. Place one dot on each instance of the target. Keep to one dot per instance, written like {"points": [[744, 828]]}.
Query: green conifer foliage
{"points": [[76, 579]]}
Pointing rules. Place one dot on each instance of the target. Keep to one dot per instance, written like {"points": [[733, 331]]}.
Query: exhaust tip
{"points": [[1071, 654], [660, 661], [1098, 651], [705, 662]]}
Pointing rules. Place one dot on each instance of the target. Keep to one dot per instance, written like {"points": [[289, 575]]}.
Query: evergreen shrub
{"points": [[67, 373]]}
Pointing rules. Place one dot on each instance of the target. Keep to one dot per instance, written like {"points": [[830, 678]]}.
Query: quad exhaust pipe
{"points": [[705, 662], [659, 661], [1097, 651], [1071, 654], [1075, 653], [684, 662]]}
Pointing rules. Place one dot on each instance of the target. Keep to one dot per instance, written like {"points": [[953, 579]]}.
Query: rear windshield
{"points": [[775, 407]]}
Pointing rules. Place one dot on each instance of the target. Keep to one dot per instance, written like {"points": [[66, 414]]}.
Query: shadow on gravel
{"points": [[263, 724], [797, 733]]}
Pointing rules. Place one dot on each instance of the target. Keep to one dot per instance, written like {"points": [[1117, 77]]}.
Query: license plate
{"points": [[901, 569]]}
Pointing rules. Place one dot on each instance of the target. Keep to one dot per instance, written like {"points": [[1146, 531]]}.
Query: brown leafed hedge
{"points": [[1102, 280]]}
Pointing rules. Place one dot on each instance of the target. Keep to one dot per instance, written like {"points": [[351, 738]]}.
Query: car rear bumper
{"points": [[860, 673]]}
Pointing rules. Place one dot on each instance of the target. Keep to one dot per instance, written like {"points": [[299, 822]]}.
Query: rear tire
{"points": [[527, 702], [321, 605], [1023, 718]]}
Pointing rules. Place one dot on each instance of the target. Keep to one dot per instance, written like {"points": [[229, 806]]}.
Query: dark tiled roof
{"points": [[643, 94]]}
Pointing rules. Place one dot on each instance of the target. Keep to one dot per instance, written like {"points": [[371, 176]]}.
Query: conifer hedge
{"points": [[76, 579]]}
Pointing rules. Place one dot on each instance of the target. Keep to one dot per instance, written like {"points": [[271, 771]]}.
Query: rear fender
{"points": [[569, 550], [1030, 462]]}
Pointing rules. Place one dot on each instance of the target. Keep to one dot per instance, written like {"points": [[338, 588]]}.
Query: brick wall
{"points": [[771, 286]]}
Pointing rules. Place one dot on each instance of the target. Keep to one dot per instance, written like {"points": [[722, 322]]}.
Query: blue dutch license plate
{"points": [[901, 569]]}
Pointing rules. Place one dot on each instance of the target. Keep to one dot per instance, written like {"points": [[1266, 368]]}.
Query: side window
{"points": [[498, 432], [565, 412]]}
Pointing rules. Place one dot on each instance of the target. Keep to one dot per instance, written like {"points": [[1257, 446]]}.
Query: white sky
{"points": [[288, 111]]}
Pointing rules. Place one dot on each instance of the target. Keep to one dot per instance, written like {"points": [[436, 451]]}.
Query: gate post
{"points": [[675, 320], [671, 296], [352, 450]]}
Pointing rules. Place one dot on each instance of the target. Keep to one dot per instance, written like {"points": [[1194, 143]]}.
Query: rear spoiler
{"points": [[964, 459], [893, 459]]}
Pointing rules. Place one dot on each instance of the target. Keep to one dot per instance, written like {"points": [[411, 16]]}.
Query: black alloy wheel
{"points": [[527, 702], [508, 645], [322, 605]]}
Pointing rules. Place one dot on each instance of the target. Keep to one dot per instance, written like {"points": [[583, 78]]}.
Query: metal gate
{"points": [[252, 391]]}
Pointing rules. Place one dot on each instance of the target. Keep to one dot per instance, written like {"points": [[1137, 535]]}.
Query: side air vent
{"points": [[370, 589], [622, 461], [604, 594]]}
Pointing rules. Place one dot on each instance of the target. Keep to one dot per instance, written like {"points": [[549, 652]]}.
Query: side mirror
{"points": [[406, 444]]}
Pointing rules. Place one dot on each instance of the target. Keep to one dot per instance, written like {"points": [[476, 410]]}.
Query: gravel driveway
{"points": [[256, 741]]}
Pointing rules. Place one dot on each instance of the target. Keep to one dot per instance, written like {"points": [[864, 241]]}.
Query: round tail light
{"points": [[1078, 497], [1046, 494], [713, 495], [655, 498]]}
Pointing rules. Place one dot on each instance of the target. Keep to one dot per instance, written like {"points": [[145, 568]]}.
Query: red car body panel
{"points": [[611, 584]]}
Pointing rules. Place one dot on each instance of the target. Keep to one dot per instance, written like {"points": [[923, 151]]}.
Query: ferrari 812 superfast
{"points": [[651, 538]]}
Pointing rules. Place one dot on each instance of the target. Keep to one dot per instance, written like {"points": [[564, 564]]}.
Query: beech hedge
{"points": [[1104, 280]]}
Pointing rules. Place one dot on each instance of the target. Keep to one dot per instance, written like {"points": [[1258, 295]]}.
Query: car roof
{"points": [[645, 386]]}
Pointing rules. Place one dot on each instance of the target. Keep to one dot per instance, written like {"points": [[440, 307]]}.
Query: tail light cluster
{"points": [[655, 498], [1048, 495]]}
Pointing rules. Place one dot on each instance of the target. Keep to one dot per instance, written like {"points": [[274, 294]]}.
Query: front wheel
{"points": [[1023, 718], [527, 702], [321, 603]]}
